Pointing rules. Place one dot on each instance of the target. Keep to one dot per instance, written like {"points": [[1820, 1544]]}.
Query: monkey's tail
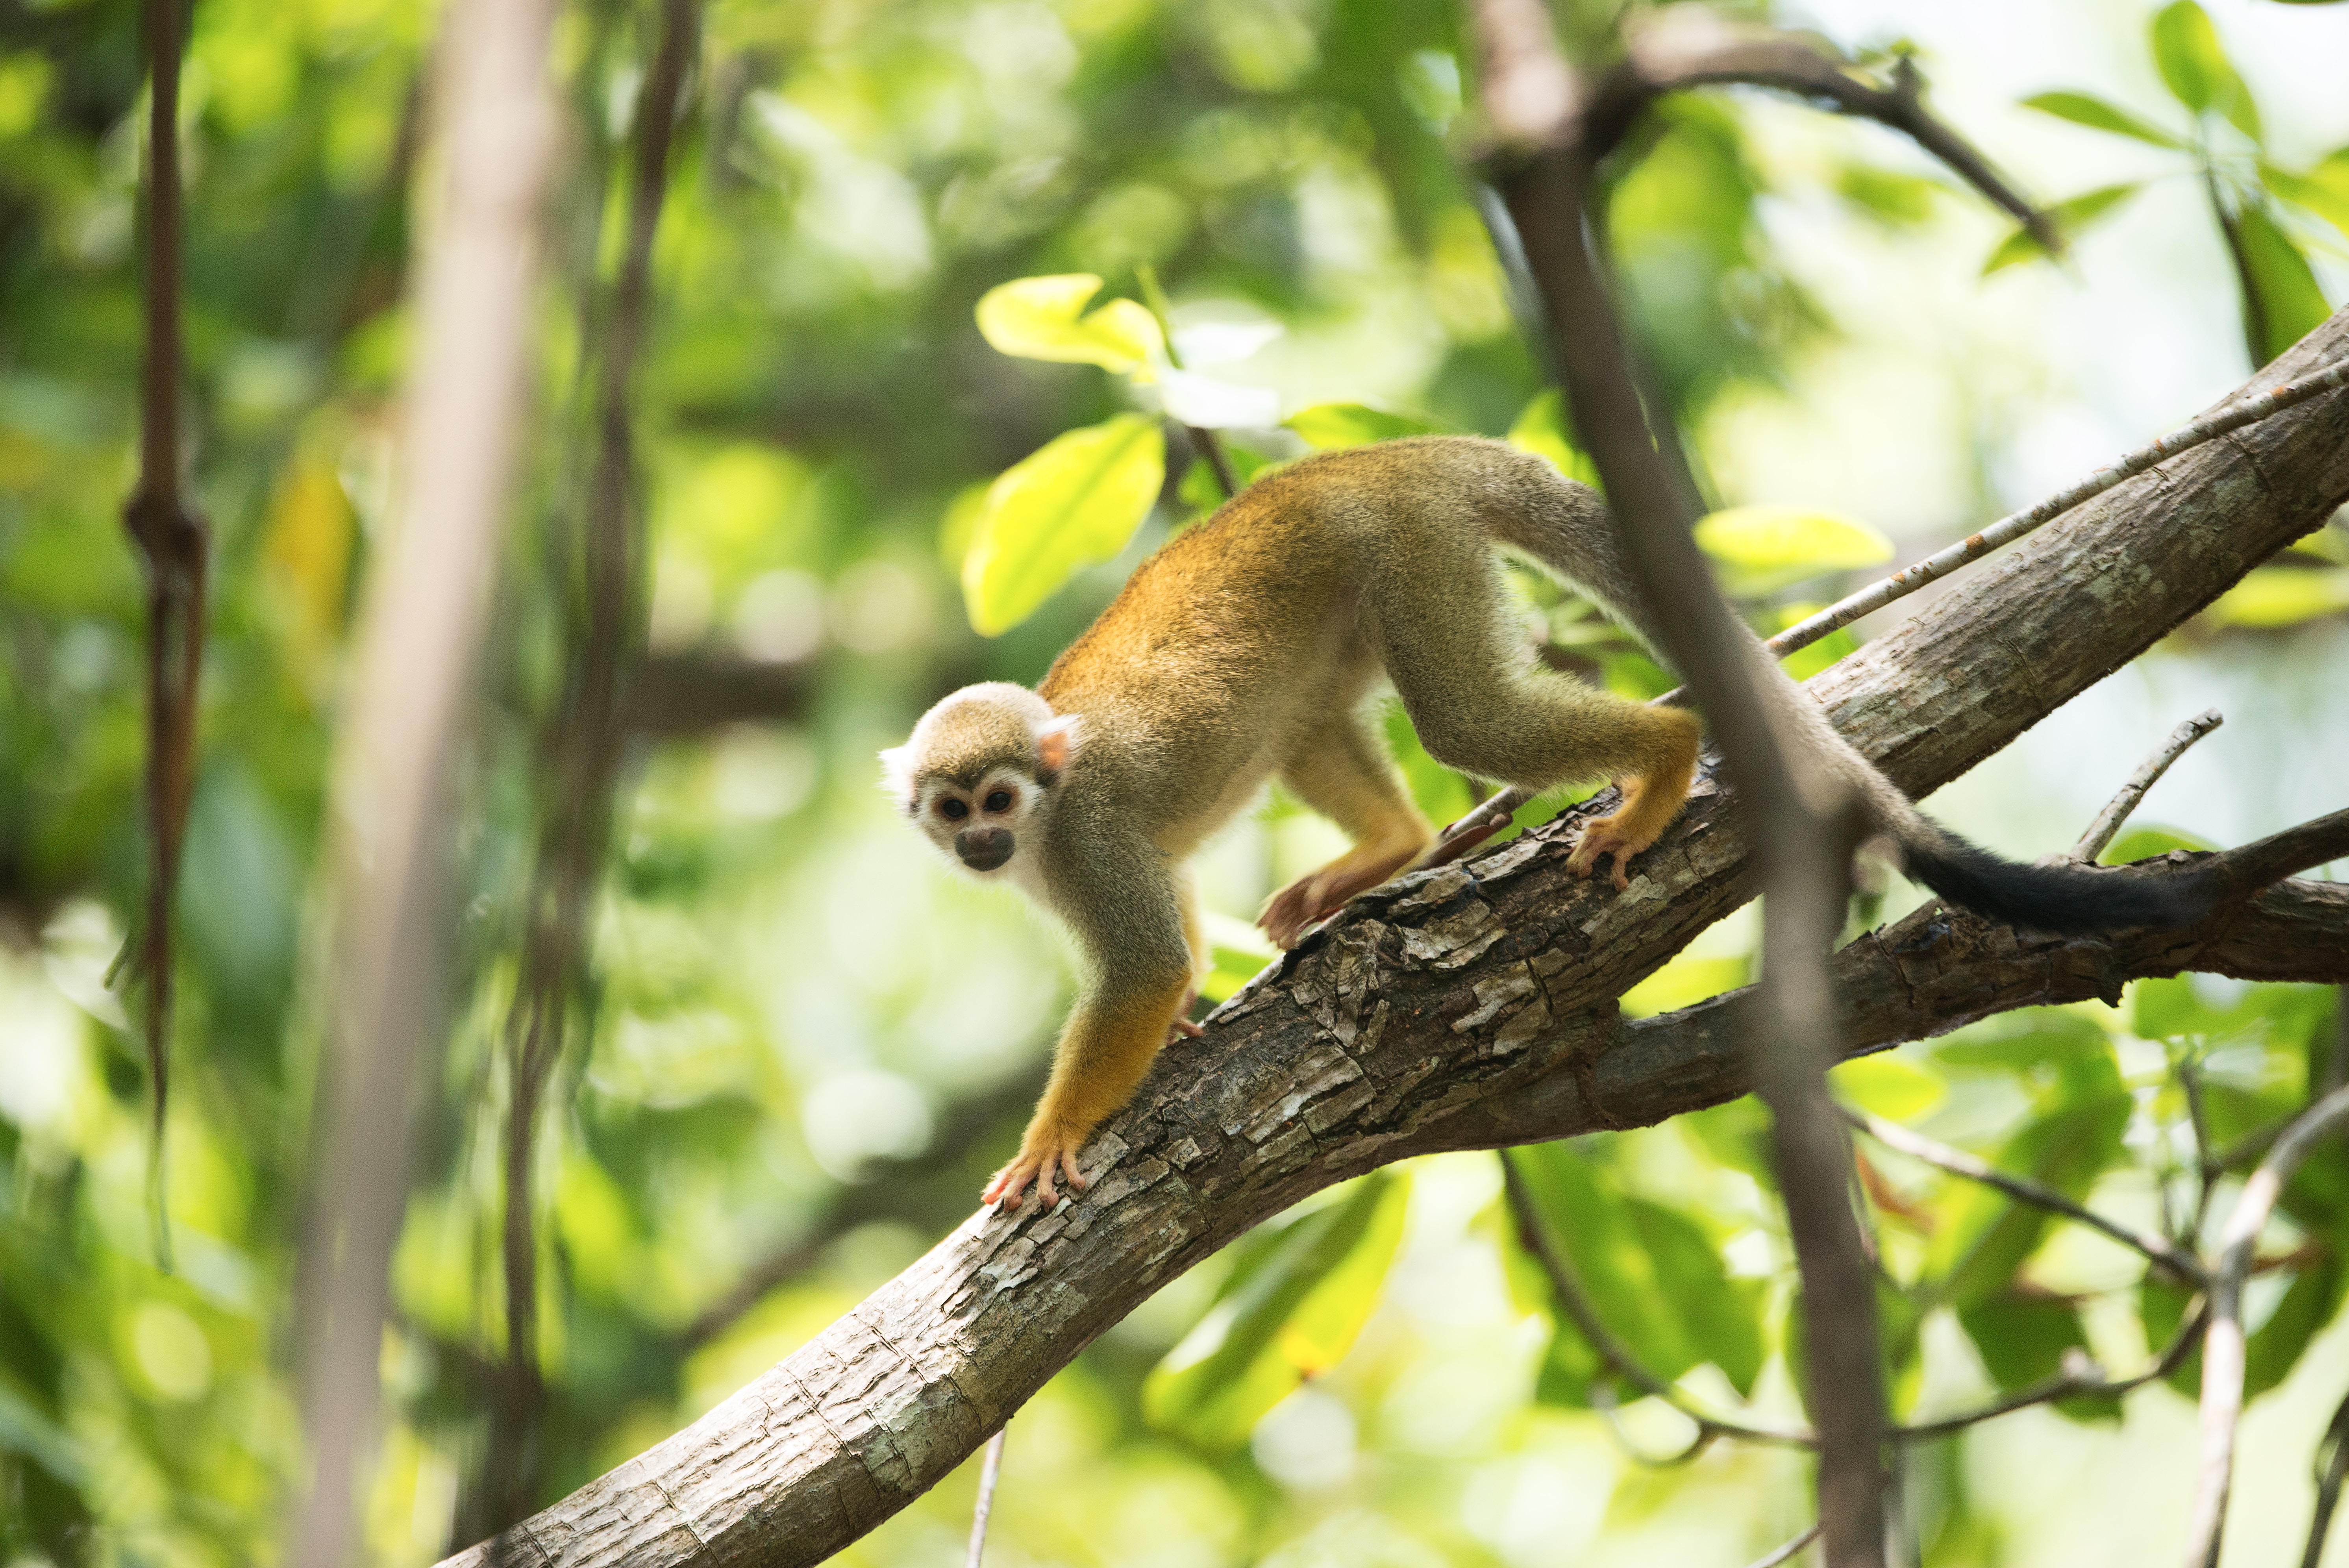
{"points": [[2062, 898], [1565, 526]]}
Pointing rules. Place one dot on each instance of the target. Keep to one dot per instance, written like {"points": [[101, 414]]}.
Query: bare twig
{"points": [[1533, 1234], [2014, 525], [2180, 1264], [2222, 1347], [421, 632], [2100, 831], [990, 1471], [2332, 1466], [1699, 50], [174, 547], [1772, 1559], [2080, 1378]]}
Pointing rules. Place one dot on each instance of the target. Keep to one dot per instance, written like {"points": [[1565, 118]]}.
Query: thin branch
{"points": [[2180, 1264], [990, 1469], [1703, 51], [412, 670], [2080, 1378], [1806, 821], [2108, 821], [2332, 1466], [1533, 1234], [1203, 442], [174, 548], [583, 746], [1772, 1559], [2234, 416], [2224, 1346]]}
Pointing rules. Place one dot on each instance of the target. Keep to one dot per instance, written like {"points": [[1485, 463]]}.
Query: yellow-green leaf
{"points": [[1071, 504], [2282, 596], [1683, 981], [2323, 190], [1291, 1310], [2085, 109], [1043, 318], [1541, 429], [1891, 1085], [2196, 68], [2070, 217], [1765, 546], [1328, 426]]}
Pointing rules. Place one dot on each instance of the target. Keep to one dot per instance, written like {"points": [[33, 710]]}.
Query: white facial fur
{"points": [[943, 809]]}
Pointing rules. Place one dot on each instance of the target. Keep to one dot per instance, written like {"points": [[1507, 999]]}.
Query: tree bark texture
{"points": [[1473, 1005]]}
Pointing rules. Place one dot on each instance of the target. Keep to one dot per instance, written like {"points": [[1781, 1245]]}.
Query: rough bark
{"points": [[1469, 1006]]}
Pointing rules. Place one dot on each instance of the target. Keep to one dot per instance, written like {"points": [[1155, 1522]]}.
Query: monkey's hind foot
{"points": [[1606, 835], [1325, 892]]}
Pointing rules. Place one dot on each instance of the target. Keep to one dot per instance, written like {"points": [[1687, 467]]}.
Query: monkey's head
{"points": [[980, 768]]}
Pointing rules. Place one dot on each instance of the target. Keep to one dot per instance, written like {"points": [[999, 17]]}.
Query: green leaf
{"points": [[2144, 843], [1889, 1084], [1683, 981], [2196, 68], [1543, 430], [1652, 1273], [2282, 596], [2071, 217], [1985, 1236], [2085, 109], [1042, 318], [2022, 1339], [1329, 426], [1765, 547], [2291, 306], [1073, 503], [1289, 1311], [2323, 190]]}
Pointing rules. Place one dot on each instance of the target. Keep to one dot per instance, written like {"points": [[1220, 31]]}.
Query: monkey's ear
{"points": [[1057, 741], [897, 774]]}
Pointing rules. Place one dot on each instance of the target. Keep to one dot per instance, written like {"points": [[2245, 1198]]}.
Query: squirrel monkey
{"points": [[1244, 648]]}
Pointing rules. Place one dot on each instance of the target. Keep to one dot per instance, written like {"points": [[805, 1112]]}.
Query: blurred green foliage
{"points": [[809, 1045]]}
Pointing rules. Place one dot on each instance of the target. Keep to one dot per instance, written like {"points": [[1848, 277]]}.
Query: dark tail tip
{"points": [[2059, 899]]}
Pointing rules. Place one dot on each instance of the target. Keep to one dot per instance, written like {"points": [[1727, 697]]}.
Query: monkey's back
{"points": [[1242, 636]]}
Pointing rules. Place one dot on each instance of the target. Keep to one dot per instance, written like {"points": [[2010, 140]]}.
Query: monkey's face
{"points": [[979, 824], [979, 771]]}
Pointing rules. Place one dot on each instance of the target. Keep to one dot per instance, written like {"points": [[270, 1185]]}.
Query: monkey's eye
{"points": [[953, 810], [999, 800]]}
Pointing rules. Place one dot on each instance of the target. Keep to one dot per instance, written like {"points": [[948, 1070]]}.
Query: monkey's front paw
{"points": [[1608, 836], [1040, 1156]]}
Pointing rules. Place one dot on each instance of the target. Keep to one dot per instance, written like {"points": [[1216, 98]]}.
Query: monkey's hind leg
{"points": [[1477, 707], [1341, 772]]}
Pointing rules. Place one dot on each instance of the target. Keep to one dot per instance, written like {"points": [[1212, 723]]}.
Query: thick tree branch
{"points": [[1472, 1007]]}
